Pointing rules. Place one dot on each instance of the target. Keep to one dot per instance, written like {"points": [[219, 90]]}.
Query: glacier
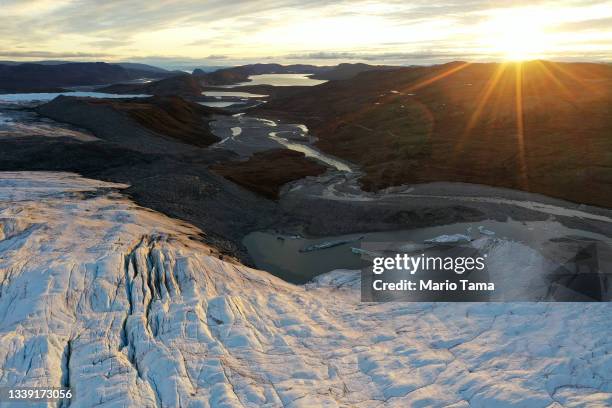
{"points": [[129, 309]]}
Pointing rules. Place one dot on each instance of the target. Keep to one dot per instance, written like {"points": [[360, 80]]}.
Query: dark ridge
{"points": [[41, 77], [348, 71], [52, 76], [168, 116], [37, 76], [181, 85]]}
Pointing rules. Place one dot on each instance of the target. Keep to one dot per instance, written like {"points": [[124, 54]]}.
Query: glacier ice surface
{"points": [[121, 304]]}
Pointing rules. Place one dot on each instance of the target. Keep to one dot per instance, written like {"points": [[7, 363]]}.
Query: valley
{"points": [[263, 186]]}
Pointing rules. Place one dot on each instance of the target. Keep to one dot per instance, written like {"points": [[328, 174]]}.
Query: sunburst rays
{"points": [[435, 78], [501, 109], [520, 127]]}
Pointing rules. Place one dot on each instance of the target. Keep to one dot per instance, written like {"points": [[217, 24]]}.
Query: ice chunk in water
{"points": [[412, 247], [449, 239], [364, 252], [329, 244], [485, 231]]}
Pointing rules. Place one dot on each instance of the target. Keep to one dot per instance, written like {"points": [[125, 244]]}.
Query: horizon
{"points": [[186, 34], [185, 67]]}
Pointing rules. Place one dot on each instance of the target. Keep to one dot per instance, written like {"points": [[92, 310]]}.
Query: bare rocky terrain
{"points": [[163, 172]]}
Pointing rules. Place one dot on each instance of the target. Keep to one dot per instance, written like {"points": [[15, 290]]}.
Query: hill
{"points": [[538, 126], [33, 77], [348, 71], [134, 66], [165, 117], [181, 85]]}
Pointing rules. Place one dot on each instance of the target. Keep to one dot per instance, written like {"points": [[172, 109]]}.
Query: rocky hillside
{"points": [[163, 118], [181, 85], [538, 126], [348, 71], [122, 305]]}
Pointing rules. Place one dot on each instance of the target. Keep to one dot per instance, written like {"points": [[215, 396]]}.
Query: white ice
{"points": [[449, 239], [485, 231], [117, 302]]}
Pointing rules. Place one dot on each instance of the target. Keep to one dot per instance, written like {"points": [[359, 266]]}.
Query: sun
{"points": [[519, 46], [515, 35]]}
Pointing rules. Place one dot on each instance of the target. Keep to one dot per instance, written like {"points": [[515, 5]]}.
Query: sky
{"points": [[189, 33]]}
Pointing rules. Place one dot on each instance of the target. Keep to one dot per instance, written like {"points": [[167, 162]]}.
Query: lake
{"points": [[231, 94], [220, 104], [525, 241], [281, 80]]}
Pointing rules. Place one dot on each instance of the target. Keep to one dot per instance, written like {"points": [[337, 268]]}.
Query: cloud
{"points": [[50, 54], [373, 56], [591, 24], [187, 64], [108, 43], [217, 57], [238, 30], [198, 43]]}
